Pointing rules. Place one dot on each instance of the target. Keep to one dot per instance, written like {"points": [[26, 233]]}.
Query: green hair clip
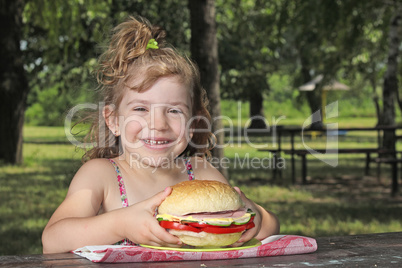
{"points": [[152, 44]]}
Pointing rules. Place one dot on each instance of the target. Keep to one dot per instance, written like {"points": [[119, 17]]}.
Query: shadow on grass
{"points": [[27, 200], [328, 218], [335, 201]]}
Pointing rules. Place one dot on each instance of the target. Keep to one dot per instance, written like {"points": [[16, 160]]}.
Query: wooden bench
{"points": [[275, 153], [394, 171], [367, 151], [303, 152]]}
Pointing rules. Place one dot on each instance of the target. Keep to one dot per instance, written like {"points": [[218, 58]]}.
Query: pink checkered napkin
{"points": [[272, 246]]}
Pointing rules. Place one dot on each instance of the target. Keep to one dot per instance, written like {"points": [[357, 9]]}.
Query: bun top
{"points": [[200, 196]]}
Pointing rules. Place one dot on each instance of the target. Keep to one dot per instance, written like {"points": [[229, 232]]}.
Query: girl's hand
{"points": [[141, 226], [253, 232]]}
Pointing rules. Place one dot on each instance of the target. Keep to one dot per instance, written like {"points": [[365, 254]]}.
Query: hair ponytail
{"points": [[129, 41]]}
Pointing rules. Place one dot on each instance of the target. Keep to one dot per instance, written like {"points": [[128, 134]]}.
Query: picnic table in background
{"points": [[383, 155], [367, 250]]}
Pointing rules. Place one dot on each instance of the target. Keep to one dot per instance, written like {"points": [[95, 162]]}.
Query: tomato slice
{"points": [[224, 230], [228, 229], [202, 227], [250, 225], [178, 226], [197, 224]]}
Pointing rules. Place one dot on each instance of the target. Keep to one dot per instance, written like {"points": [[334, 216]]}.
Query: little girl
{"points": [[152, 135]]}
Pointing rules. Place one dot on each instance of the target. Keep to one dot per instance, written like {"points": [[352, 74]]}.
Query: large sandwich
{"points": [[205, 213]]}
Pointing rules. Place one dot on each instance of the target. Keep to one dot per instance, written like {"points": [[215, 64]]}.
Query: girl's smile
{"points": [[157, 143]]}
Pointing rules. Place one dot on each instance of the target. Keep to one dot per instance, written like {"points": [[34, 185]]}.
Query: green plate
{"points": [[250, 244]]}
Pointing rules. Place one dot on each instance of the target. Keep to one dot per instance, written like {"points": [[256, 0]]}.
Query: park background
{"points": [[265, 50]]}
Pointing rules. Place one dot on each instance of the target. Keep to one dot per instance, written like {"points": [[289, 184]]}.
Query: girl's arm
{"points": [[63, 234], [75, 223]]}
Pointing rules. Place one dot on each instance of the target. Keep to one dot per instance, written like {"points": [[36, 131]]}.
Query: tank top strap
{"points": [[189, 169], [122, 188], [124, 200]]}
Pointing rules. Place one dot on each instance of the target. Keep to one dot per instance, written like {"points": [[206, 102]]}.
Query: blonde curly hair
{"points": [[127, 59]]}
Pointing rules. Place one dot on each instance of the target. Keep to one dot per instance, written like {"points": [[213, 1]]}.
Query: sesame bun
{"points": [[200, 196]]}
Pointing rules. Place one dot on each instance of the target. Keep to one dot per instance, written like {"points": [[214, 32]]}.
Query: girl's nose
{"points": [[158, 120]]}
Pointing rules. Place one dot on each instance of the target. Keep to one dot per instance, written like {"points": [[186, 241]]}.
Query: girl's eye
{"points": [[140, 109], [175, 111]]}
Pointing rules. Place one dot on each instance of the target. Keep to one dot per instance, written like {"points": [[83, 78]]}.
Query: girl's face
{"points": [[154, 124]]}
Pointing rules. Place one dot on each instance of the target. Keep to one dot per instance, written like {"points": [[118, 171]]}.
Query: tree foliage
{"points": [[60, 44], [257, 40], [340, 39], [248, 46]]}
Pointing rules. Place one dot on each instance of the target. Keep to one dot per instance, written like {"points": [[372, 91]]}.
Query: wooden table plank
{"points": [[371, 250]]}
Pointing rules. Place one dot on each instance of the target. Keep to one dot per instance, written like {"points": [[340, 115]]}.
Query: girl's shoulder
{"points": [[95, 170], [97, 165]]}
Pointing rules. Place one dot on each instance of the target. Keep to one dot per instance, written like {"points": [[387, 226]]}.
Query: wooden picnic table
{"points": [[280, 131], [368, 250]]}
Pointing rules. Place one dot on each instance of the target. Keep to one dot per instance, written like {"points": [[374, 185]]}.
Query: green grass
{"points": [[29, 193], [336, 201]]}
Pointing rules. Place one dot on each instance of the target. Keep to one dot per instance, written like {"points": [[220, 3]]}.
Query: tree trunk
{"points": [[257, 110], [373, 82], [204, 51], [13, 83], [314, 101], [313, 97], [396, 40], [391, 82]]}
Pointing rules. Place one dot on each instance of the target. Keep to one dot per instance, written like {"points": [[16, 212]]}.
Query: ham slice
{"points": [[222, 214]]}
